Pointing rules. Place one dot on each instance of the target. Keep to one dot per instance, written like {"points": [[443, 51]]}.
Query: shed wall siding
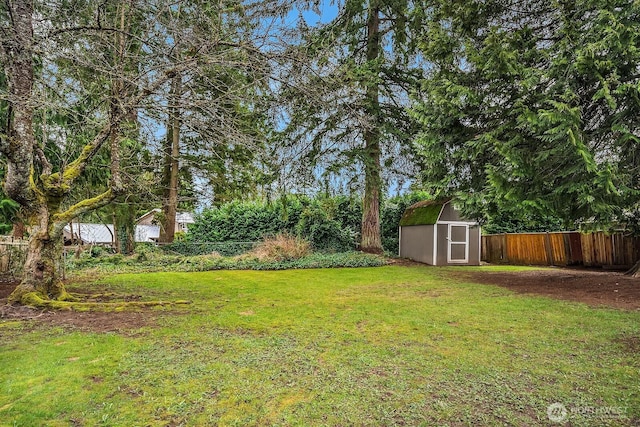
{"points": [[417, 243], [449, 214], [443, 241], [474, 245]]}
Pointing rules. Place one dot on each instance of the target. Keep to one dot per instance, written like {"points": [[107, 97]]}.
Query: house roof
{"points": [[181, 217], [103, 233], [91, 233], [150, 213], [426, 212], [184, 218]]}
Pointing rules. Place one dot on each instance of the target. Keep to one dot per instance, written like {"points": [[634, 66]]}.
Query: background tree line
{"points": [[524, 110], [330, 224]]}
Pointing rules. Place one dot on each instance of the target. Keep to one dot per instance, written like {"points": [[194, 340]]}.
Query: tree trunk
{"points": [[43, 268], [371, 240], [18, 147], [370, 236], [117, 246], [124, 220], [171, 166]]}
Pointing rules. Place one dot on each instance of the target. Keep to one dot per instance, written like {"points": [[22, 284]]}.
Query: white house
{"points": [[89, 234], [103, 234], [183, 219]]}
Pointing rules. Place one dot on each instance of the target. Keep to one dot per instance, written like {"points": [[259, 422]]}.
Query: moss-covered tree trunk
{"points": [[43, 268]]}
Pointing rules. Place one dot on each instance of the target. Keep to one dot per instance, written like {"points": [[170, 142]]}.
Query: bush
{"points": [[192, 248], [324, 233], [246, 221], [96, 251], [314, 260], [330, 224], [282, 247], [163, 262]]}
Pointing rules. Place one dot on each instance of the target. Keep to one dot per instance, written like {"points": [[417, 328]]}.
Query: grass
{"points": [[371, 346]]}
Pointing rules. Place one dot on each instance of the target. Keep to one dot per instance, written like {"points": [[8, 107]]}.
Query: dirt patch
{"points": [[6, 287], [404, 262], [631, 343], [125, 322], [593, 287]]}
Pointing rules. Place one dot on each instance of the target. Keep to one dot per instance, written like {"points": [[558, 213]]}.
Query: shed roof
{"points": [[426, 212]]}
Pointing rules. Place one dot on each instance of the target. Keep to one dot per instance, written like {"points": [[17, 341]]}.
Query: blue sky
{"points": [[328, 11]]}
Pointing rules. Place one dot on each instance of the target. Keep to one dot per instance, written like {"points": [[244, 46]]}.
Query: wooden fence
{"points": [[570, 248], [12, 255]]}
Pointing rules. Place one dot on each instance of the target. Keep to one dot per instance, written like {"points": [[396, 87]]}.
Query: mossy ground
{"points": [[372, 346]]}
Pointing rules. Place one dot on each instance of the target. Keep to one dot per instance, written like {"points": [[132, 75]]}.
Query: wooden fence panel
{"points": [[597, 249], [575, 249], [592, 250], [527, 249], [558, 250], [494, 248]]}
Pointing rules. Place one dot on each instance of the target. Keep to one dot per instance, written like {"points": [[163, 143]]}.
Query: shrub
{"points": [[324, 233], [246, 221], [330, 224], [191, 248], [96, 251], [282, 247]]}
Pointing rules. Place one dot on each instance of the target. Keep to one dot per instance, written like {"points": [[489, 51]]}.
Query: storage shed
{"points": [[434, 232]]}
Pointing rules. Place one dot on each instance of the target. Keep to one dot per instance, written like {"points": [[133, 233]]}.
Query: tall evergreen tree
{"points": [[346, 97], [533, 104]]}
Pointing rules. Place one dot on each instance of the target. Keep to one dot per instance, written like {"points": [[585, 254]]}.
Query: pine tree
{"points": [[346, 97], [534, 105]]}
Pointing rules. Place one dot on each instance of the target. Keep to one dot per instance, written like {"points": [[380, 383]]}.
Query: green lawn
{"points": [[372, 346]]}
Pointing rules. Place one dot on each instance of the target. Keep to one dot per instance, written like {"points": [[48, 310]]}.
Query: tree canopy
{"points": [[82, 80], [532, 107], [345, 111]]}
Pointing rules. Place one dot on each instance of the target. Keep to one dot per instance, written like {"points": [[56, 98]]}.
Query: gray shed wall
{"points": [[416, 243], [475, 237], [441, 256]]}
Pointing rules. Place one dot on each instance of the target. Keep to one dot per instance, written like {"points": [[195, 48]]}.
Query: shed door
{"points": [[458, 248]]}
